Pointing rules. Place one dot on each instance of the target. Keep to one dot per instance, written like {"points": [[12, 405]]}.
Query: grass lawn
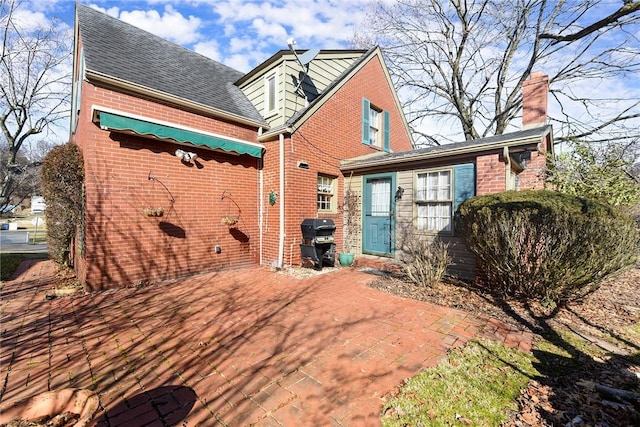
{"points": [[578, 352], [9, 262], [475, 385]]}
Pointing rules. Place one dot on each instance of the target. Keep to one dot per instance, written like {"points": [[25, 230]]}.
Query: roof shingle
{"points": [[117, 49]]}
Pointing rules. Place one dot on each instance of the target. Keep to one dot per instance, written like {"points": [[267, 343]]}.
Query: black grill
{"points": [[318, 242]]}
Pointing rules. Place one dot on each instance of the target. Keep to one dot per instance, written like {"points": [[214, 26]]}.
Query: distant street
{"points": [[7, 247]]}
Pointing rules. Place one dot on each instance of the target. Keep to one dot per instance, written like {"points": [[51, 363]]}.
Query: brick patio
{"points": [[236, 348]]}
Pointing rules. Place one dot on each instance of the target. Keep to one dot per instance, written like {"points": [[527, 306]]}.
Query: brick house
{"points": [[191, 166], [418, 191]]}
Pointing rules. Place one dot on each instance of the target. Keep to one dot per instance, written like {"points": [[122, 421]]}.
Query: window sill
{"points": [[449, 233]]}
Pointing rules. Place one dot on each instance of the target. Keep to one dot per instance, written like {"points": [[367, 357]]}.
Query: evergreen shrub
{"points": [[62, 188], [547, 245]]}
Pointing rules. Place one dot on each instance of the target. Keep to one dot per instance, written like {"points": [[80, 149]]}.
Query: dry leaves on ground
{"points": [[566, 393]]}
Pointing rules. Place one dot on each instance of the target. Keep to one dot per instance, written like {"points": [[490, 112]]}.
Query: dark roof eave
{"points": [[276, 57], [349, 165]]}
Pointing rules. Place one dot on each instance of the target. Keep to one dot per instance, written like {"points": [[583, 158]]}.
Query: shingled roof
{"points": [[522, 137], [116, 49]]}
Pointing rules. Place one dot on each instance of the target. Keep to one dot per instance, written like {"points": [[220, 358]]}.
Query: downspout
{"points": [[507, 168], [282, 201], [260, 202], [261, 207]]}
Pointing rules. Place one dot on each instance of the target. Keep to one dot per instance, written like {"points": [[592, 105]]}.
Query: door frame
{"points": [[366, 204]]}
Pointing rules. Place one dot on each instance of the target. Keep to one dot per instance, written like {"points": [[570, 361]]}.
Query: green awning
{"points": [[120, 123]]}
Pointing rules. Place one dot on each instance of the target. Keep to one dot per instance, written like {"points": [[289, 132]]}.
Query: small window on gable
{"points": [[326, 192], [375, 126], [270, 100]]}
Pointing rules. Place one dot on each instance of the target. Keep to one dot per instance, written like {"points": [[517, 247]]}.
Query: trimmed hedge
{"points": [[547, 245], [62, 188]]}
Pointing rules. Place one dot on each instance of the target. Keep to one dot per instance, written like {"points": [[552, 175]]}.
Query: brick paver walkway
{"points": [[237, 348]]}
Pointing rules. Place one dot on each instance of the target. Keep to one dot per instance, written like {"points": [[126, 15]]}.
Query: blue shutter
{"points": [[385, 126], [464, 187], [464, 181], [365, 121]]}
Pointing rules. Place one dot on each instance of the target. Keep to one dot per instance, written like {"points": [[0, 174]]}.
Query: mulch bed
{"points": [[565, 394]]}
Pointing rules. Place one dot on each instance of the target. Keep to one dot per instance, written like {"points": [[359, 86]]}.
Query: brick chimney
{"points": [[535, 94]]}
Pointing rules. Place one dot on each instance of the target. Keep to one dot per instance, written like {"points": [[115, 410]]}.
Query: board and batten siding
{"points": [[255, 92], [323, 71], [463, 262]]}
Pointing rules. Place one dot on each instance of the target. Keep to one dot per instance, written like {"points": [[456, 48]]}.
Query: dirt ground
{"points": [[572, 388]]}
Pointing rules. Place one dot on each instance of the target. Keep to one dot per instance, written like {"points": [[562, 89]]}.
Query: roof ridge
{"points": [[160, 39]]}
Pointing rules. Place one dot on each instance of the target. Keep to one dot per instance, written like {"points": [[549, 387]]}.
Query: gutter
{"points": [[346, 165], [275, 132]]}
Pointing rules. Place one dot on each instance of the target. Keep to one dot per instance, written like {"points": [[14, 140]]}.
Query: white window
{"points": [[270, 86], [380, 197], [374, 127], [326, 190], [434, 201]]}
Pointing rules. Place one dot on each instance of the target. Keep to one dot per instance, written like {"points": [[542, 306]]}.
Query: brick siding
{"points": [[333, 133], [122, 246]]}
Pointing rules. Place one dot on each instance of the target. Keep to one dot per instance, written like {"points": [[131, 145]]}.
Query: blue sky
{"points": [[244, 33], [238, 33]]}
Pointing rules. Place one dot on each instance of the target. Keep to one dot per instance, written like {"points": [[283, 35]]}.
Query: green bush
{"points": [[547, 245], [62, 188], [424, 261]]}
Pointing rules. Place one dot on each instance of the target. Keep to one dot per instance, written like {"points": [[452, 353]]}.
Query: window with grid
{"points": [[374, 127], [325, 193], [434, 201]]}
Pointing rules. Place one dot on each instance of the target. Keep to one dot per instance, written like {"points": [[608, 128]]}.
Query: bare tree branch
{"points": [[627, 9], [459, 65], [34, 87]]}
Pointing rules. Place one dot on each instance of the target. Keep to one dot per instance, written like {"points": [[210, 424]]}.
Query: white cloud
{"points": [[269, 30], [171, 25], [329, 24], [112, 11], [241, 44], [28, 21], [240, 62], [210, 49], [261, 28]]}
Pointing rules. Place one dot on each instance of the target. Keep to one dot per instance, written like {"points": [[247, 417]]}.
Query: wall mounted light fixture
{"points": [[399, 193], [186, 156]]}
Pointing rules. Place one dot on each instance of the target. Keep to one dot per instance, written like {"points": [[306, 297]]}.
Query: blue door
{"points": [[378, 209]]}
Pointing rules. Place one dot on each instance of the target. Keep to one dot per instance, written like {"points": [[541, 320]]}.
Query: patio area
{"points": [[233, 348]]}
